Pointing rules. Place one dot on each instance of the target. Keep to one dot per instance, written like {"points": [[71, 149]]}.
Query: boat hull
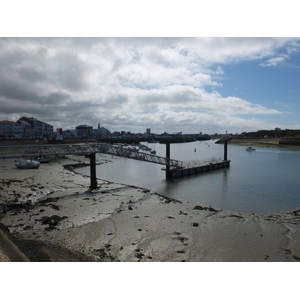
{"points": [[29, 164]]}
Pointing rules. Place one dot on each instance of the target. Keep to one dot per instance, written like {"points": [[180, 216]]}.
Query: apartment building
{"points": [[26, 128], [84, 131], [36, 129], [11, 129]]}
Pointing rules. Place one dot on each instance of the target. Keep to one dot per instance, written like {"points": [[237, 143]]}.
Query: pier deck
{"points": [[197, 169]]}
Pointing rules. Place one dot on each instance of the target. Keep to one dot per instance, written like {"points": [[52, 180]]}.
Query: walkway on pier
{"points": [[173, 167], [31, 151]]}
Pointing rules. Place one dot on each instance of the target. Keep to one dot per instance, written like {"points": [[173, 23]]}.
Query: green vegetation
{"points": [[273, 133]]}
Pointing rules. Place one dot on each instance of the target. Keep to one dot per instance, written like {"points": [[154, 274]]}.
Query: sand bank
{"points": [[53, 208]]}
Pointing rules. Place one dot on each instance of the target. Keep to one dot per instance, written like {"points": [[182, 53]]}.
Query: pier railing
{"points": [[134, 154], [31, 151], [173, 167], [202, 162]]}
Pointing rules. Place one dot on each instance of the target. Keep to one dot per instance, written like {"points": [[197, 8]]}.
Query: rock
{"points": [[139, 255], [181, 251], [27, 227], [198, 207], [182, 213], [52, 221]]}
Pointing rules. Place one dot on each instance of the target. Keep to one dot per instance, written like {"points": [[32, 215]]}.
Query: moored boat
{"points": [[27, 164], [43, 159]]}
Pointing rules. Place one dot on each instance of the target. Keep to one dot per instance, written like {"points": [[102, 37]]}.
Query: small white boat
{"points": [[250, 149], [27, 164]]}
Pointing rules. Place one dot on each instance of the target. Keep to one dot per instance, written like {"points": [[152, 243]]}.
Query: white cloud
{"points": [[136, 82], [273, 62]]}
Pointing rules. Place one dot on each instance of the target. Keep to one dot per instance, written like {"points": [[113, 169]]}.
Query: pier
{"points": [[187, 169], [201, 168], [173, 168]]}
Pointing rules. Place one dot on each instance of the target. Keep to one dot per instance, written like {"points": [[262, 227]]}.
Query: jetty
{"points": [[173, 168], [188, 168]]}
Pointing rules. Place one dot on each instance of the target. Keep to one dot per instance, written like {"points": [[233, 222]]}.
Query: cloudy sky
{"points": [[166, 84]]}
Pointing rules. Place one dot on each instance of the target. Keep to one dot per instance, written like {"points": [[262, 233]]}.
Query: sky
{"points": [[169, 84], [188, 85]]}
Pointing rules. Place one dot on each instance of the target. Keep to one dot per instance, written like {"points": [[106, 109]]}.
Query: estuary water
{"points": [[263, 181]]}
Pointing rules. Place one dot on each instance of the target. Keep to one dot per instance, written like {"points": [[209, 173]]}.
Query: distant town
{"points": [[31, 128]]}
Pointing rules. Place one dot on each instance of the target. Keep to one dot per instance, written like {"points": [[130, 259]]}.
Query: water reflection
{"points": [[263, 181]]}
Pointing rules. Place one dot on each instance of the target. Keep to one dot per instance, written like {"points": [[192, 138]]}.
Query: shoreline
{"points": [[265, 143], [55, 217]]}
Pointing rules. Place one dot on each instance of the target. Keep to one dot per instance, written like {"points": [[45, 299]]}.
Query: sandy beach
{"points": [[51, 215]]}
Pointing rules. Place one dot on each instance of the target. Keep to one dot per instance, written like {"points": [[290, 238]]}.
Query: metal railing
{"points": [[203, 162], [134, 154], [31, 151]]}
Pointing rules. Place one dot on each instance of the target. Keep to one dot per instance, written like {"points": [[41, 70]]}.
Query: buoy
{"points": [[195, 150]]}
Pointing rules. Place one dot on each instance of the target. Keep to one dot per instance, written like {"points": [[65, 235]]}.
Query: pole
{"points": [[225, 150], [93, 170], [168, 173]]}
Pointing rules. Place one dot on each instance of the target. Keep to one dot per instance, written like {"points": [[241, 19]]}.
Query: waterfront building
{"points": [[10, 129], [69, 134], [101, 132], [34, 128], [84, 131], [26, 128]]}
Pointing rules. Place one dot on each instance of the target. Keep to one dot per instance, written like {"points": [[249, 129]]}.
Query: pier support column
{"points": [[93, 171], [225, 150], [168, 173]]}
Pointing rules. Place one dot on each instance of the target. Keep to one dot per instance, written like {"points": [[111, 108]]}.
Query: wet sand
{"points": [[55, 217]]}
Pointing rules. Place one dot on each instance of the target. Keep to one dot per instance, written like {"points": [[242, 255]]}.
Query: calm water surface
{"points": [[264, 181]]}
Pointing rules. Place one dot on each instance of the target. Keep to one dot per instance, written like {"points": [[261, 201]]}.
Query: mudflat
{"points": [[52, 215]]}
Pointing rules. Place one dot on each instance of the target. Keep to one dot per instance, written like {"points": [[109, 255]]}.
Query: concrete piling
{"points": [[93, 171], [225, 149], [168, 173]]}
